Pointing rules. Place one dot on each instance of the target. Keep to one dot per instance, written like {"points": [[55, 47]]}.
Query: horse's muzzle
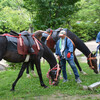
{"points": [[55, 83], [95, 71]]}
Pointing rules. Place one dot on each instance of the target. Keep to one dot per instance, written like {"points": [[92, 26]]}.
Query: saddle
{"points": [[25, 42]]}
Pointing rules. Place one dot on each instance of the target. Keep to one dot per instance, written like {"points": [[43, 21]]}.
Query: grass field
{"points": [[30, 89]]}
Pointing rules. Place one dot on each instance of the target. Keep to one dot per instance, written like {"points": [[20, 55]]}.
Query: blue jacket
{"points": [[98, 38], [69, 48]]}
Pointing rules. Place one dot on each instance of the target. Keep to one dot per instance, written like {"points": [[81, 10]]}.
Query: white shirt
{"points": [[62, 47]]}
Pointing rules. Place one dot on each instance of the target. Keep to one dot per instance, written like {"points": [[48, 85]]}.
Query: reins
{"points": [[57, 74], [71, 41], [91, 58]]}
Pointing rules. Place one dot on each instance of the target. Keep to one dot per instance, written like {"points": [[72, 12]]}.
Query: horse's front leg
{"points": [[25, 64], [40, 73]]}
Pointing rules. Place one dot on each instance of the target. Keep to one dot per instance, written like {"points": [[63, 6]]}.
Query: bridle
{"points": [[90, 58], [57, 67]]}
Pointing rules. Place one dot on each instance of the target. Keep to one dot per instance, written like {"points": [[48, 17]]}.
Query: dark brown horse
{"points": [[13, 56], [77, 42]]}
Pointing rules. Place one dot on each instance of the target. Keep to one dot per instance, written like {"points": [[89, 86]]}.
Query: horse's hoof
{"points": [[45, 86], [28, 76], [61, 77], [84, 73], [12, 90], [34, 75]]}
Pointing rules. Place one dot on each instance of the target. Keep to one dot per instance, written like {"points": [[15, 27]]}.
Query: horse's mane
{"points": [[79, 44]]}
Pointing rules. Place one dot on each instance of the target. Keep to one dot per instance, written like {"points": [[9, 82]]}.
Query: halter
{"points": [[91, 58], [49, 77]]}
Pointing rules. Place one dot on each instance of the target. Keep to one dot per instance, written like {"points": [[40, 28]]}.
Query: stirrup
{"points": [[31, 50]]}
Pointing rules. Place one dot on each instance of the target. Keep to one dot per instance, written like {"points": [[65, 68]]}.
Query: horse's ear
{"points": [[14, 33]]}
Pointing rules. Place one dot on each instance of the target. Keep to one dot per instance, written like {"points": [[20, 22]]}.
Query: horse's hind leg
{"points": [[77, 63], [25, 64], [32, 69], [27, 72]]}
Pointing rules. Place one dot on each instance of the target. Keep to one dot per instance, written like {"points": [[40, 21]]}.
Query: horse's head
{"points": [[92, 62], [53, 75]]}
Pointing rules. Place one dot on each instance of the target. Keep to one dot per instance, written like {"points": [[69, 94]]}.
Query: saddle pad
{"points": [[23, 49], [15, 45], [12, 43]]}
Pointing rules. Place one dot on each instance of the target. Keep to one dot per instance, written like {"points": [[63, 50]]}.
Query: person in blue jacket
{"points": [[64, 52], [98, 47], [98, 38]]}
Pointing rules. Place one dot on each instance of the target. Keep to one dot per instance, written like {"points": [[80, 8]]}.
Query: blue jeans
{"points": [[72, 64]]}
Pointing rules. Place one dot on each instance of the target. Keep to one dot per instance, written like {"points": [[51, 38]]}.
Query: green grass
{"points": [[30, 89]]}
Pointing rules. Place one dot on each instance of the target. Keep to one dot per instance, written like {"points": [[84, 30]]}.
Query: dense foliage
{"points": [[50, 13], [86, 22], [13, 16], [80, 16]]}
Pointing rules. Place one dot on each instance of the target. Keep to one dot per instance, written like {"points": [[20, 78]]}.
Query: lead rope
{"points": [[58, 69], [48, 76]]}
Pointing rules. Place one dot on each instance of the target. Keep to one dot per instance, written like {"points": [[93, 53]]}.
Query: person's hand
{"points": [[68, 55], [58, 58]]}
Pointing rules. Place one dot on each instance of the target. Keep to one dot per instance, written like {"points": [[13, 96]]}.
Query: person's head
{"points": [[62, 34]]}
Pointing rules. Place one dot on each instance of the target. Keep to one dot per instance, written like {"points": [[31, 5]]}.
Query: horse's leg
{"points": [[25, 64], [32, 69], [27, 72], [37, 63], [77, 63]]}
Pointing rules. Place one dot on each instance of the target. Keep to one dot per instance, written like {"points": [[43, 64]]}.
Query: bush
{"points": [[86, 31], [15, 65]]}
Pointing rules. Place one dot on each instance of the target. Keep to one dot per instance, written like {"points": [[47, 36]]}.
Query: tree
{"points": [[50, 13], [86, 22], [12, 16]]}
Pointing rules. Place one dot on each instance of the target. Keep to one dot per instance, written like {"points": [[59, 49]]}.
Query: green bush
{"points": [[15, 65], [86, 31]]}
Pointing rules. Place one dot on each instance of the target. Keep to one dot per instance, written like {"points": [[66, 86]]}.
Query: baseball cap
{"points": [[62, 33]]}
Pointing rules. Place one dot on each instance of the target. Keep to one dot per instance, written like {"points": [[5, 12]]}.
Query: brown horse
{"points": [[51, 38], [13, 56]]}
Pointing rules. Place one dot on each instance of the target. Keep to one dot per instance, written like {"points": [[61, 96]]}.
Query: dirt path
{"points": [[92, 45], [68, 97]]}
